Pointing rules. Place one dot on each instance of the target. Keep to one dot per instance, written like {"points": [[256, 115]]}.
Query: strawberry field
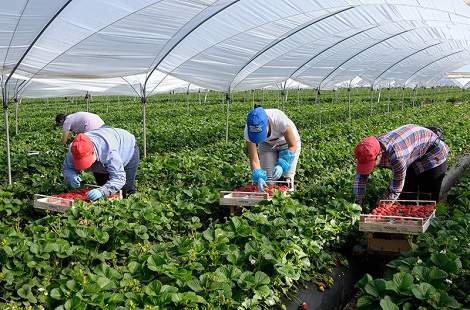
{"points": [[172, 245]]}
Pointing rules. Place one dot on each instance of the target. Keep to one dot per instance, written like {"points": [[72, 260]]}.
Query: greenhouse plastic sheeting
{"points": [[235, 44], [127, 86]]}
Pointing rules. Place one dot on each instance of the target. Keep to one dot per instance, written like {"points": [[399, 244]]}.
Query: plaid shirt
{"points": [[406, 146]]}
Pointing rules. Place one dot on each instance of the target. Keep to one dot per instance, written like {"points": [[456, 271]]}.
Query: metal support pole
{"points": [[227, 98], [414, 98], [378, 98], [388, 101], [262, 100], [87, 99], [298, 95], [16, 115], [403, 98], [199, 96], [349, 102], [317, 103], [144, 123], [253, 93], [371, 100], [187, 98], [7, 133]]}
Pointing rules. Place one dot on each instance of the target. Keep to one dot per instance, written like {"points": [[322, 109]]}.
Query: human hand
{"points": [[285, 160], [75, 182], [277, 172], [261, 185], [94, 194]]}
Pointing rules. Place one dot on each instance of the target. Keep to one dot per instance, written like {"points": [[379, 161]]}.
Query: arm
{"points": [[290, 139], [398, 182], [253, 155], [65, 137], [68, 169], [117, 175], [359, 187]]}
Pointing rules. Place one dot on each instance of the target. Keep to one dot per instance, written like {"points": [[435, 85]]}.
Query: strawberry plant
{"points": [[172, 245]]}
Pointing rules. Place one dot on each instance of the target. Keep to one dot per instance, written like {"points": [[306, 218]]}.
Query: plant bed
{"points": [[313, 296]]}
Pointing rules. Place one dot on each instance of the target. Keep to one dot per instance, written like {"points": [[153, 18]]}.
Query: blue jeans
{"points": [[131, 172]]}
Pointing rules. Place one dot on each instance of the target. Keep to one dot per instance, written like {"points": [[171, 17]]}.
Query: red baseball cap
{"points": [[366, 153], [82, 152]]}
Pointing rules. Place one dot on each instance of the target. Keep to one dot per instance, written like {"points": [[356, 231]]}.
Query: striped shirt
{"points": [[407, 146]]}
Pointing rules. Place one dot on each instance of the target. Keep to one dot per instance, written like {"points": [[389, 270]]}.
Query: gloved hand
{"points": [[261, 185], [285, 160], [259, 177], [94, 194], [277, 172], [75, 182]]}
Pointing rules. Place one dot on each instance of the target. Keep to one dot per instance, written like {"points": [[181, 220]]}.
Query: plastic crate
{"points": [[235, 199], [57, 204], [397, 224]]}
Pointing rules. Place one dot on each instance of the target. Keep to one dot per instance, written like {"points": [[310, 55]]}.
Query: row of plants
{"points": [[171, 246], [435, 273]]}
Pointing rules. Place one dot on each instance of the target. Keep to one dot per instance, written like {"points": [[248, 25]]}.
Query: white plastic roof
{"points": [[231, 44]]}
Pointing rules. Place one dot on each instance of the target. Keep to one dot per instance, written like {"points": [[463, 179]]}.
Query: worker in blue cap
{"points": [[273, 145]]}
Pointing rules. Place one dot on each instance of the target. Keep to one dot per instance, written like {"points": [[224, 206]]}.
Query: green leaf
{"points": [[195, 285], [437, 274], [101, 236], [387, 304], [446, 301], [376, 288], [423, 291], [56, 294], [364, 302], [153, 288], [104, 283], [25, 292], [261, 278], [401, 283], [366, 279], [155, 262], [447, 262]]}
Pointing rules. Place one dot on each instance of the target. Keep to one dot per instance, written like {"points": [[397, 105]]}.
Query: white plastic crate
{"points": [[242, 199], [397, 224], [57, 204]]}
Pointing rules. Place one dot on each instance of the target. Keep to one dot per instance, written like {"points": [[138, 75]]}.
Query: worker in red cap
{"points": [[416, 155], [273, 145], [111, 154]]}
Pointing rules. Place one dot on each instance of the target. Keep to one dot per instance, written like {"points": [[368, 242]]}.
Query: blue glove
{"points": [[285, 160], [94, 194], [259, 177], [75, 182], [277, 172], [261, 185]]}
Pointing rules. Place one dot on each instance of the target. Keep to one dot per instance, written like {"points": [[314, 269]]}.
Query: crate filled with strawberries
{"points": [[61, 202], [400, 217], [250, 195]]}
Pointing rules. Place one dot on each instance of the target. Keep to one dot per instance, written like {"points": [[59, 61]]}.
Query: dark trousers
{"points": [[131, 172], [427, 184]]}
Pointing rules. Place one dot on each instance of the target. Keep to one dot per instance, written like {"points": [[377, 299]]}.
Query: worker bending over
{"points": [[78, 122], [111, 154], [273, 145], [416, 155]]}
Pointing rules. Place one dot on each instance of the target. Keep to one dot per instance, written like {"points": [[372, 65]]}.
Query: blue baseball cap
{"points": [[257, 125]]}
